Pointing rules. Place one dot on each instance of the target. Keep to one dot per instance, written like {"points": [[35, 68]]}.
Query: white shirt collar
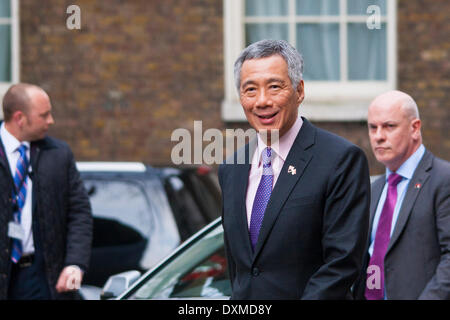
{"points": [[408, 167], [285, 143], [10, 142]]}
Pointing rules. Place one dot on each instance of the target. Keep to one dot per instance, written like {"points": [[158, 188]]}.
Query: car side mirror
{"points": [[118, 283]]}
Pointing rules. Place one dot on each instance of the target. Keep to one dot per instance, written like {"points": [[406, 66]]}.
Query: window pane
{"points": [[260, 31], [266, 8], [359, 7], [5, 53], [317, 7], [319, 45], [5, 8], [367, 52]]}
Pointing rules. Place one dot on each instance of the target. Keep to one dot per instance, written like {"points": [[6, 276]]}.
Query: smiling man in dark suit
{"points": [[408, 253], [295, 214]]}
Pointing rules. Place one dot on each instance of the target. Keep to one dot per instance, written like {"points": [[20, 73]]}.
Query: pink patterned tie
{"points": [[383, 236]]}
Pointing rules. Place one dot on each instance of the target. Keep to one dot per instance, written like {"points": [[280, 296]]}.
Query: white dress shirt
{"points": [[11, 145], [280, 152]]}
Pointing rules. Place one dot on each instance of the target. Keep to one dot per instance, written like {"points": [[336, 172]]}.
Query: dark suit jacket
{"points": [[417, 262], [60, 204], [313, 234]]}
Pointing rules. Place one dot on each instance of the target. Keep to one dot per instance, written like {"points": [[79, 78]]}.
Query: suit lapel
{"points": [[3, 158], [4, 163], [240, 183], [420, 176], [35, 152], [377, 188], [298, 157]]}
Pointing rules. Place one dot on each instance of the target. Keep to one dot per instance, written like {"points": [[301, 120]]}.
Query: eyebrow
{"points": [[246, 83], [270, 80]]}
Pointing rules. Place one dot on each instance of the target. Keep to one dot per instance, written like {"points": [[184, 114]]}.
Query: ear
{"points": [[416, 125], [18, 117], [300, 91]]}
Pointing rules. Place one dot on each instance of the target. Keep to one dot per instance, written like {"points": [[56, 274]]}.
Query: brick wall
{"points": [[424, 67], [134, 72], [139, 69]]}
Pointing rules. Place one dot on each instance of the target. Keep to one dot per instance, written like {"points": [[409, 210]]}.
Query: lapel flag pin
{"points": [[417, 186], [292, 170]]}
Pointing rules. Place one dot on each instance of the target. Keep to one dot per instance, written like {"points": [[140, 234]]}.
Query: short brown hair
{"points": [[17, 98]]}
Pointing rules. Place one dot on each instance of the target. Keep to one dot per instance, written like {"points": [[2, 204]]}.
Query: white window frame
{"points": [[324, 100], [15, 49]]}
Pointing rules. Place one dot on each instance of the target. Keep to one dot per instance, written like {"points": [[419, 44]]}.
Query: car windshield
{"points": [[199, 271]]}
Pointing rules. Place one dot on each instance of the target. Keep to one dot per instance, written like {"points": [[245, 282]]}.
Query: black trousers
{"points": [[29, 283]]}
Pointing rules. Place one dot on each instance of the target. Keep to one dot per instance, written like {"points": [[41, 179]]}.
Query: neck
{"points": [[395, 166], [270, 136], [13, 130]]}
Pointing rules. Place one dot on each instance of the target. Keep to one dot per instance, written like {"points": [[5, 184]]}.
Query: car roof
{"points": [[108, 166]]}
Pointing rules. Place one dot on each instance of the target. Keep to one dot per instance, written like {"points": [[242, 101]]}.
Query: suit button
{"points": [[255, 272]]}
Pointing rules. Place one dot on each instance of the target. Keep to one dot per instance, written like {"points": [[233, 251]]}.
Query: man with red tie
{"points": [[408, 254]]}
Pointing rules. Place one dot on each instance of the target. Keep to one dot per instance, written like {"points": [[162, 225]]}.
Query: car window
{"points": [[199, 271], [205, 194], [122, 201], [186, 211]]}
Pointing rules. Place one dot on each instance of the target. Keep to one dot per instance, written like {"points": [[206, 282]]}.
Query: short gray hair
{"points": [[268, 48]]}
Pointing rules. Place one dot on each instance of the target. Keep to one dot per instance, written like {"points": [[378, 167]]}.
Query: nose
{"points": [[50, 120], [378, 134], [263, 99]]}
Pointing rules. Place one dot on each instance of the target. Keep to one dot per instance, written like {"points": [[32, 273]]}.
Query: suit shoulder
{"points": [[441, 169], [442, 164], [56, 145], [334, 143]]}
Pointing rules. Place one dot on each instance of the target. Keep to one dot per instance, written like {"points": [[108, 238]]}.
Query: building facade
{"points": [[137, 70]]}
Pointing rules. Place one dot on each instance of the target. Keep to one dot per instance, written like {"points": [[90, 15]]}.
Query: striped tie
{"points": [[19, 192]]}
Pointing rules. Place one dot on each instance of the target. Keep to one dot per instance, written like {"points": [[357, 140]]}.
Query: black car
{"points": [[141, 213]]}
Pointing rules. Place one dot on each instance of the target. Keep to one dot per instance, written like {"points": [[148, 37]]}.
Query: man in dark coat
{"points": [[45, 239]]}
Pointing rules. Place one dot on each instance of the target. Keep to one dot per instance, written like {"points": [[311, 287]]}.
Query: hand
{"points": [[69, 279]]}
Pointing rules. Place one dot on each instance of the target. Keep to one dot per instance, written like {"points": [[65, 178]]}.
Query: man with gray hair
{"points": [[408, 252], [295, 214]]}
